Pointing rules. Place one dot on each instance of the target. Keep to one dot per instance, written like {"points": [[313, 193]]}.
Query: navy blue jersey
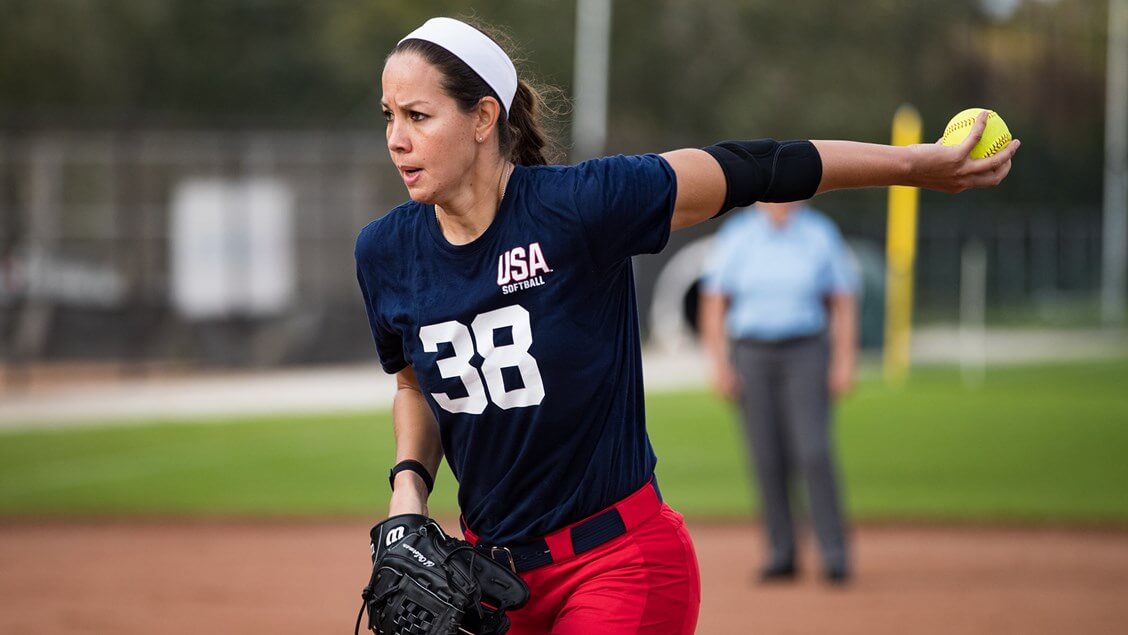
{"points": [[525, 341]]}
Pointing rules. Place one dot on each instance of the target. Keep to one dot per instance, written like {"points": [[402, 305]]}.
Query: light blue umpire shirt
{"points": [[777, 278]]}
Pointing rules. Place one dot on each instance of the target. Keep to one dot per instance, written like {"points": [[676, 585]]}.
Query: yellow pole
{"points": [[900, 255]]}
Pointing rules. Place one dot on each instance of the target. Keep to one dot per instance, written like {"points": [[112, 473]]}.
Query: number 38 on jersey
{"points": [[487, 384]]}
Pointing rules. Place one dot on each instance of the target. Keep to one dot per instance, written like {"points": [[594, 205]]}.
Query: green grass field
{"points": [[1046, 443]]}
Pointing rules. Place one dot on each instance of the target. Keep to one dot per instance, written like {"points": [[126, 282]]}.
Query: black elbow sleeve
{"points": [[767, 170]]}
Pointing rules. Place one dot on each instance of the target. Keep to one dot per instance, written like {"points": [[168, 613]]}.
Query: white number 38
{"points": [[495, 358]]}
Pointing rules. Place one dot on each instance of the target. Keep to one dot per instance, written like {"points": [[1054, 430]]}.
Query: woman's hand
{"points": [[848, 164], [951, 169]]}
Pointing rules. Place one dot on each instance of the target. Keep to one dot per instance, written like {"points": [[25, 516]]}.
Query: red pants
{"points": [[646, 581]]}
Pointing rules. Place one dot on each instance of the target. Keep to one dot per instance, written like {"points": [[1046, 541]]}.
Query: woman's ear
{"points": [[486, 120]]}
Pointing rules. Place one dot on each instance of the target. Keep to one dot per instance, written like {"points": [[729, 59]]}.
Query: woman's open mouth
{"points": [[410, 174]]}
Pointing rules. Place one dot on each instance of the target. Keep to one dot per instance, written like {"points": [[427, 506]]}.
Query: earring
{"points": [[479, 139]]}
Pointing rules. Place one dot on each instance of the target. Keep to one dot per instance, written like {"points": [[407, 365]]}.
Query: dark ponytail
{"points": [[521, 138]]}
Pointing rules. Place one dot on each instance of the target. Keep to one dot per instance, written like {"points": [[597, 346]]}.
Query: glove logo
{"points": [[420, 557], [394, 535]]}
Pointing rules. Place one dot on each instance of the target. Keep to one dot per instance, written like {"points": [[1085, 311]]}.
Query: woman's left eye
{"points": [[418, 116]]}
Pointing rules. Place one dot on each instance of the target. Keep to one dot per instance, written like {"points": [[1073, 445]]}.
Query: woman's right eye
{"points": [[387, 115]]}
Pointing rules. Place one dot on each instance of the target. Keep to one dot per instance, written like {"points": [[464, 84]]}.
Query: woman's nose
{"points": [[398, 140]]}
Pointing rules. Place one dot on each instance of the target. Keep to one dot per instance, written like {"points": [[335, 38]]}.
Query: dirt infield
{"points": [[297, 577]]}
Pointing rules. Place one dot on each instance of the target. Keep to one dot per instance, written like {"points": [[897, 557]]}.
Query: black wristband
{"points": [[413, 466]]}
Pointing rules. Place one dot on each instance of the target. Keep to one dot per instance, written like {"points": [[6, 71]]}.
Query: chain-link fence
{"points": [[235, 247]]}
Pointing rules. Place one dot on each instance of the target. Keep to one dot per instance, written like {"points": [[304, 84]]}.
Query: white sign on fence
{"points": [[232, 248]]}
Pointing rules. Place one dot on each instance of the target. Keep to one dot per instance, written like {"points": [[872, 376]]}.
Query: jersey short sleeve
{"points": [[389, 342], [625, 204]]}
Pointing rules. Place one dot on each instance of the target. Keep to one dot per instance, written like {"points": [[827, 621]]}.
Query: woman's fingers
{"points": [[975, 135], [994, 161], [951, 168], [993, 169], [990, 178]]}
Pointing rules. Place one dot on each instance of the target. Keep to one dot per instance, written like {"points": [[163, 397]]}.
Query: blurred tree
{"points": [[684, 72]]}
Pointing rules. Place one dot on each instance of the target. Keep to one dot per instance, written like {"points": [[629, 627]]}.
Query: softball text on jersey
{"points": [[523, 267]]}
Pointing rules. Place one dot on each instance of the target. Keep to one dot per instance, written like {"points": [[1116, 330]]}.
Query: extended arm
{"points": [[849, 164], [702, 184], [417, 437]]}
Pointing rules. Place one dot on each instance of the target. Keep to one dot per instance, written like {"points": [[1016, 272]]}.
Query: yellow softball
{"points": [[995, 137]]}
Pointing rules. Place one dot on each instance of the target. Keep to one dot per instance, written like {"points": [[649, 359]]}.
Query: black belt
{"points": [[585, 535]]}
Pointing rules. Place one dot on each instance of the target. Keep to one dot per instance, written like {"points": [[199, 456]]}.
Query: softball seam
{"points": [[999, 143]]}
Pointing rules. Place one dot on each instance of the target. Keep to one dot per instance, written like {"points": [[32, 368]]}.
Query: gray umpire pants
{"points": [[785, 403]]}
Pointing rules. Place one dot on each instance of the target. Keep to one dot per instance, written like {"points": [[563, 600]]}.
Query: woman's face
{"points": [[431, 140]]}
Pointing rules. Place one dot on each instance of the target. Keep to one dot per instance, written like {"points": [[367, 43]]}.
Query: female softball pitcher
{"points": [[502, 298]]}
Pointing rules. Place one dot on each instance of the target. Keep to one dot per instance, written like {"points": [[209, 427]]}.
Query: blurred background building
{"points": [[181, 181]]}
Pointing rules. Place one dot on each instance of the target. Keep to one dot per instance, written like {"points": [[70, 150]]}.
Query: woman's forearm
{"points": [[417, 438], [851, 164]]}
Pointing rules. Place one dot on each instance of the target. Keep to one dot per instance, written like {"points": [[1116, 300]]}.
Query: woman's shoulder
{"points": [[597, 165], [598, 177], [390, 229]]}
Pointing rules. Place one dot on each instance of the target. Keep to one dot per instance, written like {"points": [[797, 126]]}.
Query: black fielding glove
{"points": [[425, 582]]}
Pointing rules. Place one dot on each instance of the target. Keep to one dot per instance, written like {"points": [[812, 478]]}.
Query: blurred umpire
{"points": [[779, 323]]}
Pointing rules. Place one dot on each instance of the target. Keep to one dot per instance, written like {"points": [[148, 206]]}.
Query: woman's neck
{"points": [[468, 213]]}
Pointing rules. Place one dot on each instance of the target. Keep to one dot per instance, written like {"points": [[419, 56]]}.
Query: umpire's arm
{"points": [[711, 308], [417, 437]]}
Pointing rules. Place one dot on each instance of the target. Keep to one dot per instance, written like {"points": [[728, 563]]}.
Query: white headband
{"points": [[480, 53]]}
